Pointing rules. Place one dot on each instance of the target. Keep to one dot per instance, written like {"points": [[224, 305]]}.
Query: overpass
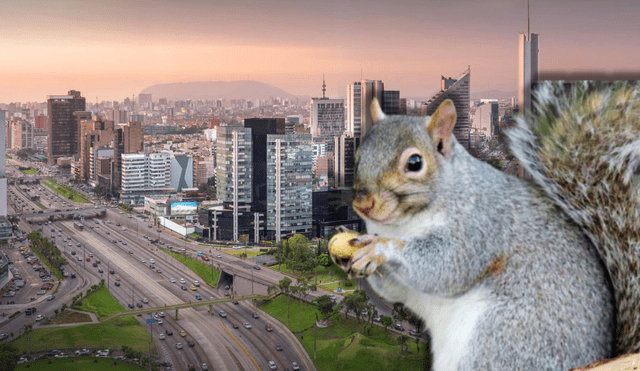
{"points": [[195, 303], [47, 213]]}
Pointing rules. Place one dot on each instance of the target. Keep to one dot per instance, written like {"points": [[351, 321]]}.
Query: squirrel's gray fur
{"points": [[510, 274]]}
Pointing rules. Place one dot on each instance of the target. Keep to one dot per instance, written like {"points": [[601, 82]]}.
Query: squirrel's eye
{"points": [[414, 163]]}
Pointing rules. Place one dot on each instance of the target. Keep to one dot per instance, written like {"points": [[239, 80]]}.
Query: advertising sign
{"points": [[184, 208]]}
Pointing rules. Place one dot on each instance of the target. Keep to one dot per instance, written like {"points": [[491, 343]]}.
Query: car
{"points": [[193, 288], [219, 256], [121, 358], [130, 251], [91, 254], [100, 270], [183, 333], [377, 318], [169, 332], [399, 327], [226, 292], [159, 321], [97, 260], [279, 347], [143, 261], [95, 265], [117, 283], [111, 271], [118, 224], [158, 270], [196, 283], [222, 314], [255, 315], [179, 345], [184, 287], [166, 364], [124, 229], [161, 314], [234, 325], [3, 336], [172, 280], [151, 261], [272, 365], [124, 243], [204, 367], [247, 325], [50, 297], [235, 302], [145, 300], [182, 280], [39, 317], [198, 297], [130, 305], [191, 343], [333, 297], [108, 232], [22, 359], [115, 241], [150, 226], [256, 267], [121, 213], [268, 328], [295, 366], [73, 252], [41, 292], [139, 305]]}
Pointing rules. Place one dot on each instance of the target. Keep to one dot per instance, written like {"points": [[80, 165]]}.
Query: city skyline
{"points": [[113, 50]]}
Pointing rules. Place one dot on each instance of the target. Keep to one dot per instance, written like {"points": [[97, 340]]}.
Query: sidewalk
{"points": [[94, 319]]}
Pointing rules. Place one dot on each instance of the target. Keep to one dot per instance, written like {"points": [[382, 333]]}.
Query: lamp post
{"points": [[108, 273], [132, 301]]}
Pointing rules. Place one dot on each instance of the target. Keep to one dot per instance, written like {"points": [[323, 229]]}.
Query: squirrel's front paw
{"points": [[365, 261]]}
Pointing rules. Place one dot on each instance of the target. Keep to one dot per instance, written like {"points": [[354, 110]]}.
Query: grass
{"points": [[64, 191], [344, 284], [194, 235], [250, 253], [40, 205], [78, 364], [71, 317], [324, 273], [202, 269], [101, 303], [342, 346], [112, 334], [29, 171]]}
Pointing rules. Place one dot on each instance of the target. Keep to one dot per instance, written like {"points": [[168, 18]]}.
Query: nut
{"points": [[340, 247]]}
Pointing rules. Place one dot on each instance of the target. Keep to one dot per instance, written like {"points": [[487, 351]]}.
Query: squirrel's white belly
{"points": [[451, 321]]}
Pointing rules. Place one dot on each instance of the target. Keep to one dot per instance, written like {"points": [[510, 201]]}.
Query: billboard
{"points": [[184, 208]]}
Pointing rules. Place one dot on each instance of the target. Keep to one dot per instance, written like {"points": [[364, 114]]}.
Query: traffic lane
{"points": [[32, 280]]}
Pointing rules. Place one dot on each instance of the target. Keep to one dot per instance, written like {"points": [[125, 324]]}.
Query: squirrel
{"points": [[508, 273]]}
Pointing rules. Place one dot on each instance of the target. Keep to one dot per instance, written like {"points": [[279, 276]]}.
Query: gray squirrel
{"points": [[506, 273]]}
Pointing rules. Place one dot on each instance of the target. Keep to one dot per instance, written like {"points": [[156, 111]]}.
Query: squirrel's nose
{"points": [[363, 203]]}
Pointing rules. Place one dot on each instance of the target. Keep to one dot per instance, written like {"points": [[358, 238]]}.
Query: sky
{"points": [[113, 49]]}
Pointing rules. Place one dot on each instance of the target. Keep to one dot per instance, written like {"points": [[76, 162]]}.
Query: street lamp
{"points": [[132, 301]]}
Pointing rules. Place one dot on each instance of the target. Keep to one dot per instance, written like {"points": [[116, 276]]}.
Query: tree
{"points": [[371, 313], [285, 287], [356, 302], [386, 322], [9, 356], [325, 305], [402, 339], [324, 260], [398, 312]]}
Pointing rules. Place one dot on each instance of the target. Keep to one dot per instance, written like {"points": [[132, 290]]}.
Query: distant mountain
{"points": [[493, 94], [213, 90]]}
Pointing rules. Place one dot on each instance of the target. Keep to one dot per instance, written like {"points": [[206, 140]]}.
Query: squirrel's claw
{"points": [[365, 261]]}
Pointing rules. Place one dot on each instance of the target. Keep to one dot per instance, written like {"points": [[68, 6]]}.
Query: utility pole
{"points": [[108, 273], [132, 301]]}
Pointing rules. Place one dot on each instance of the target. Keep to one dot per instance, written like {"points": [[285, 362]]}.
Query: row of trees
{"points": [[46, 248]]}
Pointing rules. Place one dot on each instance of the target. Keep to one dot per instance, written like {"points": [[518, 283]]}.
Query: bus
{"points": [[78, 226]]}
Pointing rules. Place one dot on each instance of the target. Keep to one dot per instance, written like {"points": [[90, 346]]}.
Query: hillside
{"points": [[213, 90]]}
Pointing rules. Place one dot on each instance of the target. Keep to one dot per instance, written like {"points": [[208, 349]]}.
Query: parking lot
{"points": [[32, 280]]}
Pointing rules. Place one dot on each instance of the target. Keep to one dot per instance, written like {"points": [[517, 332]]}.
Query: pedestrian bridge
{"points": [[47, 213]]}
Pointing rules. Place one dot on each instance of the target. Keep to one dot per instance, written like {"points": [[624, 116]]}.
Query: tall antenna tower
{"points": [[324, 87]]}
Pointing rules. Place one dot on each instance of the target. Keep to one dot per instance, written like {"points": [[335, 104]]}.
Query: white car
{"points": [[247, 325], [161, 314], [173, 280], [182, 280], [159, 321], [161, 336], [272, 365], [39, 317], [143, 261], [152, 261]]}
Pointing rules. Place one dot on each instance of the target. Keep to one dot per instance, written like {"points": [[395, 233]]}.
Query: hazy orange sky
{"points": [[113, 49]]}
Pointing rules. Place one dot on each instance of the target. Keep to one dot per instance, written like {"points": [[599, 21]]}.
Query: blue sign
{"points": [[27, 339], [151, 320]]}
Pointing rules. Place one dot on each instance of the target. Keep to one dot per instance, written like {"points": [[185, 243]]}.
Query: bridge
{"points": [[195, 303], [47, 213]]}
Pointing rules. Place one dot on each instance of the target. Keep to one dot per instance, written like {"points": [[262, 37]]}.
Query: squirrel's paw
{"points": [[366, 260]]}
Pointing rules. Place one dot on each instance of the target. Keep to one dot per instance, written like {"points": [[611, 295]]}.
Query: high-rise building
{"points": [[145, 174], [289, 185], [485, 120], [458, 91], [527, 68], [128, 138], [3, 179], [40, 122], [344, 159], [233, 169], [181, 171], [63, 125], [144, 98], [21, 134], [359, 97], [94, 133], [260, 128], [327, 118]]}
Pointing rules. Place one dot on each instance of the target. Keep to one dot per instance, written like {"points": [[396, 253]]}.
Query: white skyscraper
{"points": [[527, 67], [3, 179]]}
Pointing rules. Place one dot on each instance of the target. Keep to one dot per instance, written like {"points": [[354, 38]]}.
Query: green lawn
{"points": [[342, 346], [46, 262], [40, 205], [330, 274], [344, 284], [64, 191], [78, 364], [101, 303], [202, 269], [113, 334], [250, 253], [29, 171]]}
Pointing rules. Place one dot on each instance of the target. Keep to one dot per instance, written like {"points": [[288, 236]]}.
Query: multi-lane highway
{"points": [[216, 341]]}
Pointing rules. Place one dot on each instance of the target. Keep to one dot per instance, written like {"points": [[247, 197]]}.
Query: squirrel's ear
{"points": [[376, 111], [441, 126]]}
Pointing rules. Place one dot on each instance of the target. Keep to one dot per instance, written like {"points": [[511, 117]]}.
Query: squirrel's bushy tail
{"points": [[582, 147]]}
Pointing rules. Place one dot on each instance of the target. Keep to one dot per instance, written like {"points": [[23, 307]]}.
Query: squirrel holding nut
{"points": [[506, 273]]}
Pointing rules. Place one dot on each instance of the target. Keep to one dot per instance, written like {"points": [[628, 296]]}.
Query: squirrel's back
{"points": [[582, 146]]}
